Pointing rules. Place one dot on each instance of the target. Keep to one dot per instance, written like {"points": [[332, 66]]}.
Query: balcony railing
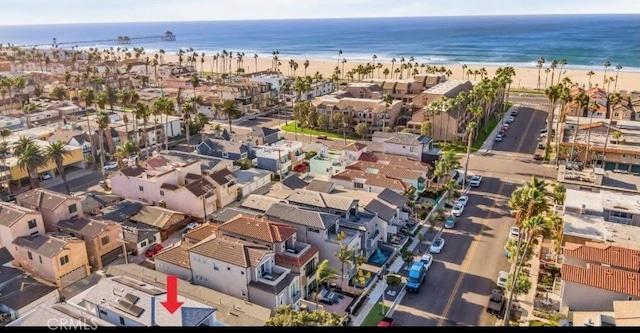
{"points": [[273, 276], [297, 250]]}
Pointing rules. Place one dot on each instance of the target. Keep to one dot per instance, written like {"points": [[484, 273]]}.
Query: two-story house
{"points": [[162, 181], [165, 220], [245, 270], [227, 190], [59, 259], [281, 157], [53, 206], [227, 149], [412, 146], [301, 258], [100, 237], [595, 275], [17, 221], [321, 230]]}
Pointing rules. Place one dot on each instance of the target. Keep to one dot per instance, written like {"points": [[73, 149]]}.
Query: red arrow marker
{"points": [[172, 304]]}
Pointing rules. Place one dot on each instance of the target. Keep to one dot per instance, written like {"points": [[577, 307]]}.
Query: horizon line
{"points": [[323, 18]]}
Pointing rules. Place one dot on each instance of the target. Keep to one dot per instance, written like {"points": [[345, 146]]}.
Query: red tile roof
{"points": [[258, 228], [601, 277], [372, 179], [356, 146], [395, 160], [614, 256], [289, 261]]}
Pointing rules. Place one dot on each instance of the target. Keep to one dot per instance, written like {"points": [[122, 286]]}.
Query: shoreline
{"points": [[525, 78]]}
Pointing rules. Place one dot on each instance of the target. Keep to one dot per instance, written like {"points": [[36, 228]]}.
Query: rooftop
{"points": [[250, 175], [84, 226], [201, 232], [614, 256], [596, 229], [320, 200], [45, 245], [231, 310], [601, 277], [597, 202], [292, 214], [176, 255], [45, 314], [22, 291], [233, 251], [627, 313], [43, 198], [11, 213], [448, 86], [259, 203], [157, 217], [258, 228]]}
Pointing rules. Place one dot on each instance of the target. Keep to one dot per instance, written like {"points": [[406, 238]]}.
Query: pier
{"points": [[120, 40]]}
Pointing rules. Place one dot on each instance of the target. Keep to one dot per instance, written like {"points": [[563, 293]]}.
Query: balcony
{"points": [[296, 250], [297, 156], [285, 166], [273, 276], [346, 237]]}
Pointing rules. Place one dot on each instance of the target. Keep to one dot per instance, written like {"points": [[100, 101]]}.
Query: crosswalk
{"points": [[533, 104]]}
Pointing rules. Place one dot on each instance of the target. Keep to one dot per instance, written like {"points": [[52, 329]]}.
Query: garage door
{"points": [[609, 166], [635, 169], [72, 277], [109, 257]]}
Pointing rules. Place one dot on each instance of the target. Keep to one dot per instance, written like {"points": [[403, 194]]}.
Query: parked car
{"points": [[475, 181], [499, 137], [540, 145], [463, 200], [543, 135], [8, 198], [457, 210], [437, 245], [496, 303], [252, 117], [322, 137], [450, 222], [509, 120], [46, 176], [502, 279], [153, 249], [537, 157], [505, 127], [502, 132], [387, 322], [427, 259], [514, 112], [191, 226], [514, 233], [300, 168], [111, 166]]}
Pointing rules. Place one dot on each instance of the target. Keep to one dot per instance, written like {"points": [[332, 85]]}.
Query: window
{"points": [[622, 215], [144, 243], [162, 193], [29, 255], [121, 321], [358, 185], [317, 231], [32, 224], [225, 154], [64, 260], [73, 208], [140, 188], [412, 149], [103, 312], [104, 240], [244, 293], [617, 114]]}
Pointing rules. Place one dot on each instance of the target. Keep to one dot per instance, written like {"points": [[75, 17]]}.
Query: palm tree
{"points": [[590, 74], [4, 152], [552, 68], [593, 108], [539, 66], [582, 100], [563, 63], [553, 94], [161, 106], [103, 121], [604, 78], [88, 96], [230, 110], [125, 150], [471, 126], [344, 254], [324, 274], [29, 109], [614, 99], [195, 82], [57, 151], [615, 85], [30, 158]]}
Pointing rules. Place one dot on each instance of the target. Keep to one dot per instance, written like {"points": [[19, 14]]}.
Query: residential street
{"points": [[464, 273], [77, 183]]}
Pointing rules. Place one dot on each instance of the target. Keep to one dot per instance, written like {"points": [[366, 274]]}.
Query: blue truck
{"points": [[417, 274]]}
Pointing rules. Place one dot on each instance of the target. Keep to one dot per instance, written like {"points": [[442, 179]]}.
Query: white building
{"points": [[275, 80]]}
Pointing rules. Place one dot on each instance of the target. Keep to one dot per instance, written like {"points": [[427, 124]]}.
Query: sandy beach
{"points": [[526, 78]]}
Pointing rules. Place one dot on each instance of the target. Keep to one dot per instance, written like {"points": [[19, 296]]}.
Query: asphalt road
{"points": [[464, 273], [82, 183]]}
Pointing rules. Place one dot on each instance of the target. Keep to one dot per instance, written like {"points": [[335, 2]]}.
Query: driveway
{"points": [[464, 273]]}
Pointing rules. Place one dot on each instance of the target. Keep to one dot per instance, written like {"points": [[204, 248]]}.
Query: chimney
{"points": [[153, 311]]}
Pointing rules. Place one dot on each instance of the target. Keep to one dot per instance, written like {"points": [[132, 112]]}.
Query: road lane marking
{"points": [[468, 260], [526, 132]]}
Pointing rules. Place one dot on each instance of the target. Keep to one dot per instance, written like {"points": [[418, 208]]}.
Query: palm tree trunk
{"points": [[466, 163], [513, 279], [34, 181], [586, 153], [229, 119], [550, 128], [155, 131], [101, 139], [575, 138], [187, 132], [145, 138], [63, 175]]}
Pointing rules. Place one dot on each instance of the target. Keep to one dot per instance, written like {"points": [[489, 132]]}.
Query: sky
{"points": [[26, 12]]}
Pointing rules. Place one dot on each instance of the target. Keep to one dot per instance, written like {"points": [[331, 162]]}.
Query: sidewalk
{"points": [[487, 145]]}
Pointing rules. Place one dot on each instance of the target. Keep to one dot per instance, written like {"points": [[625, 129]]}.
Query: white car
{"points": [[191, 226], [457, 210], [499, 138], [475, 181], [509, 119], [514, 233], [502, 279], [253, 117], [427, 259], [463, 200], [437, 245], [543, 135], [111, 166], [46, 176]]}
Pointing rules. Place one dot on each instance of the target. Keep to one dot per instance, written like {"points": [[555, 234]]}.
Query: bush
{"points": [[422, 215]]}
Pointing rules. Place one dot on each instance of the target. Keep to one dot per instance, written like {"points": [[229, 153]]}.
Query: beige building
{"points": [[101, 238], [16, 222], [53, 206], [167, 221], [373, 112], [226, 188], [61, 260]]}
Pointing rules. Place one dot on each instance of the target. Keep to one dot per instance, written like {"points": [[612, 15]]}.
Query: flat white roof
{"points": [[598, 201], [597, 229]]}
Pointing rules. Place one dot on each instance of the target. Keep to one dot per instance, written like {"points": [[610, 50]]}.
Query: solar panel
{"points": [[139, 287], [131, 298], [129, 308]]}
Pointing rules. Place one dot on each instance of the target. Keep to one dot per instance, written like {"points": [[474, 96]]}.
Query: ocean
{"points": [[585, 41]]}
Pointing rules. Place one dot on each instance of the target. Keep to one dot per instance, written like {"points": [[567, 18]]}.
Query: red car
{"points": [[153, 249], [300, 168], [505, 127]]}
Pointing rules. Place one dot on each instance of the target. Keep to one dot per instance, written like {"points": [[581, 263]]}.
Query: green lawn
{"points": [[484, 134], [290, 128], [375, 315]]}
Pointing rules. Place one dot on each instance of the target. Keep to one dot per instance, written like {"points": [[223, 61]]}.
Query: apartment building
{"points": [[53, 206], [179, 186], [59, 259], [373, 112]]}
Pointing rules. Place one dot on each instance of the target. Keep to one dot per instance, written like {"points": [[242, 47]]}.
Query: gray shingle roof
{"points": [[43, 198], [392, 197], [156, 217], [5, 256], [191, 317], [320, 200], [121, 211], [223, 176], [260, 203], [320, 186], [23, 291], [292, 214], [383, 210], [94, 201], [8, 273], [227, 214], [44, 245], [11, 213], [83, 226], [294, 182]]}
